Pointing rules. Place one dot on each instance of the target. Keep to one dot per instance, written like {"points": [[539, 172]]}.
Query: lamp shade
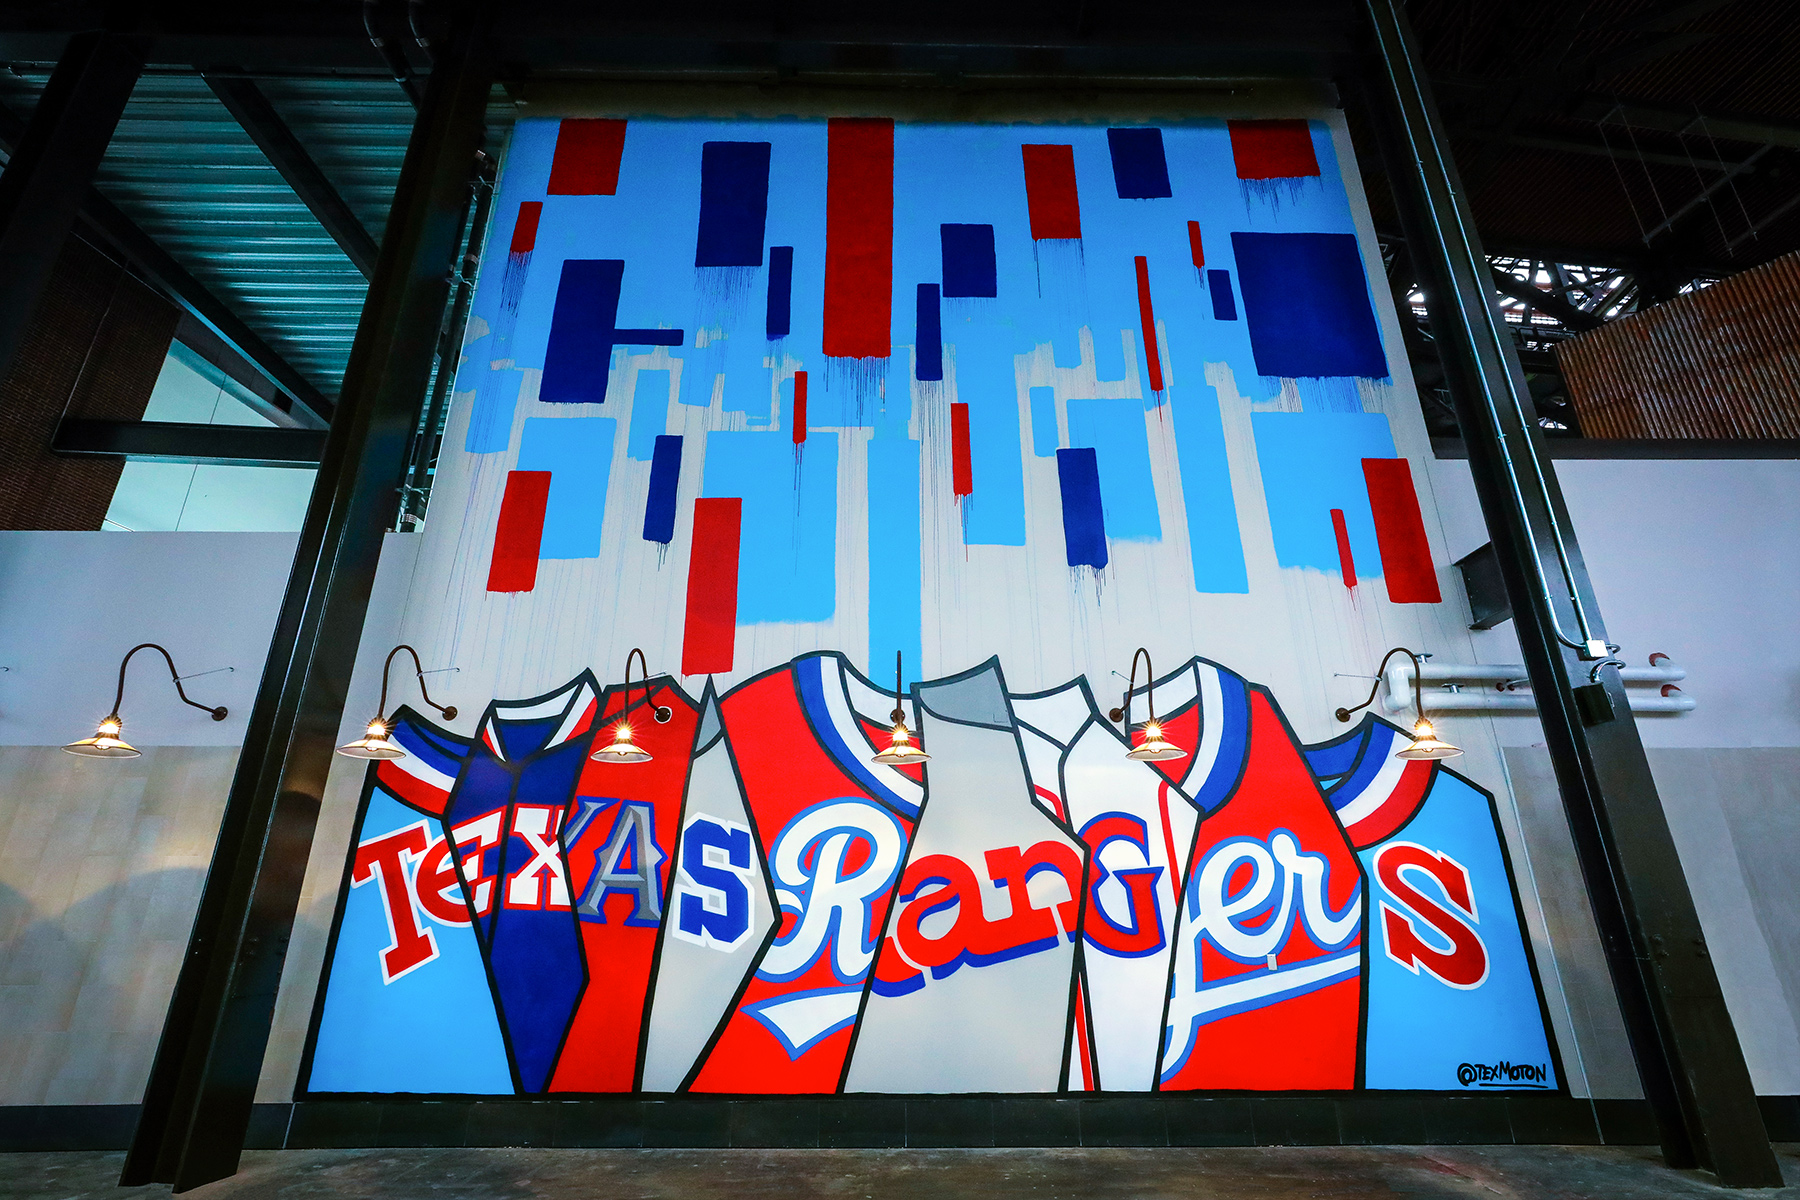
{"points": [[1426, 744], [106, 742], [901, 750], [622, 749], [1154, 747], [374, 743]]}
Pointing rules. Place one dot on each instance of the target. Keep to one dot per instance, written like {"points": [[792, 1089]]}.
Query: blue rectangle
{"points": [[985, 381], [894, 562], [1084, 525], [781, 292], [649, 413], [659, 506], [1223, 302], [1114, 430], [787, 567], [1215, 545], [734, 204], [1140, 170], [1306, 301], [1312, 463], [969, 267], [1044, 438], [928, 354], [578, 356], [491, 414], [577, 451]]}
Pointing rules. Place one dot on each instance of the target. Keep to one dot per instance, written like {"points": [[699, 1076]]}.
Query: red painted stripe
{"points": [[799, 407], [962, 474], [587, 158], [1272, 149], [1147, 315], [524, 238], [1194, 244], [1162, 801], [1050, 192], [518, 532], [710, 634], [859, 237], [1399, 807], [1400, 532], [1346, 561], [1052, 799], [1081, 1037]]}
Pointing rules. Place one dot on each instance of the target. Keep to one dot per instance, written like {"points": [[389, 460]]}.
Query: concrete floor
{"points": [[1272, 1173]]}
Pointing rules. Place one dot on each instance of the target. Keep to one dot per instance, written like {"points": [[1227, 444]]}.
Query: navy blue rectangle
{"points": [[1224, 303], [1140, 171], [734, 204], [659, 509], [578, 355], [781, 290], [969, 268], [928, 354], [1306, 301], [1084, 524]]}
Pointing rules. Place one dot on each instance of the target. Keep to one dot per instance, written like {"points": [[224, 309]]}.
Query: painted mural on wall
{"points": [[777, 400]]}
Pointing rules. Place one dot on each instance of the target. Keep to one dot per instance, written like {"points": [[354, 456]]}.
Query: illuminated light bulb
{"points": [[1154, 748], [374, 743], [1426, 745], [901, 749], [106, 742], [623, 749]]}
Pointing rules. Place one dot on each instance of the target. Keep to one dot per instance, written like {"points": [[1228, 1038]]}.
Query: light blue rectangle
{"points": [[1311, 464], [995, 514], [1043, 422], [649, 414], [577, 451], [787, 562], [491, 412], [1214, 543], [894, 570], [1115, 429]]}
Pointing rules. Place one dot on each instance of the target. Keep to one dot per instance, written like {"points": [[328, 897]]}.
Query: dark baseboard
{"points": [[939, 1121], [1645, 448]]}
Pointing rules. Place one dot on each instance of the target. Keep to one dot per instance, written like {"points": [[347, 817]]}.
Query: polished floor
{"points": [[1268, 1173]]}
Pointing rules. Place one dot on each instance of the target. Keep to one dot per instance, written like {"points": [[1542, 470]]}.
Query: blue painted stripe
{"points": [[491, 415], [1224, 303], [1312, 463], [894, 572], [969, 268], [810, 679], [1334, 760], [734, 204], [1140, 170], [1084, 525], [928, 355], [1306, 302], [577, 451], [1380, 746], [1114, 429], [659, 507], [781, 291], [1044, 440], [787, 564], [995, 514], [649, 414], [1234, 740], [1214, 543]]}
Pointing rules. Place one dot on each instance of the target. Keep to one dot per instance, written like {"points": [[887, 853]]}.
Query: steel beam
{"points": [[178, 442], [197, 1104], [1548, 303], [258, 118], [1687, 1052], [52, 168]]}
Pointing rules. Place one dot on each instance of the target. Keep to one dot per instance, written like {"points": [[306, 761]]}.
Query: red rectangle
{"points": [[962, 474], [587, 158], [1194, 244], [1272, 149], [1400, 532], [524, 238], [518, 532], [1346, 560], [1050, 192], [799, 407], [859, 237], [709, 636], [1147, 315]]}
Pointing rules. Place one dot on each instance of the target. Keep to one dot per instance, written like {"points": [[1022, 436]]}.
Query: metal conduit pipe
{"points": [[1492, 698], [1442, 702]]}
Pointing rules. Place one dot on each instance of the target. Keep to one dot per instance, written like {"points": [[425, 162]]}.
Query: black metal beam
{"points": [[52, 167], [1647, 114], [197, 1105], [177, 442], [1548, 303], [258, 118], [1687, 1053]]}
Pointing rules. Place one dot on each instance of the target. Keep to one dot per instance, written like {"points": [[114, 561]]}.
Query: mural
{"points": [[775, 400]]}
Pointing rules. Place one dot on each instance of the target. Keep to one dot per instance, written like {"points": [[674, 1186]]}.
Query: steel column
{"points": [[53, 166], [1687, 1052], [197, 1105]]}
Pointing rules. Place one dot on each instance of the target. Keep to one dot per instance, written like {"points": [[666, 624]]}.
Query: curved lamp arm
{"points": [[661, 712], [1122, 714], [448, 712], [217, 714], [1343, 714]]}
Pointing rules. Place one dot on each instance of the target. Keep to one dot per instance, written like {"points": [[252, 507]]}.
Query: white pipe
{"points": [[1400, 673], [1523, 701]]}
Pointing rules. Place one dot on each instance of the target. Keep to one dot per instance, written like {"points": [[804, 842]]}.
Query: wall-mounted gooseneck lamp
{"points": [[106, 742], [375, 742], [901, 749], [1425, 742], [623, 749], [1154, 747]]}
